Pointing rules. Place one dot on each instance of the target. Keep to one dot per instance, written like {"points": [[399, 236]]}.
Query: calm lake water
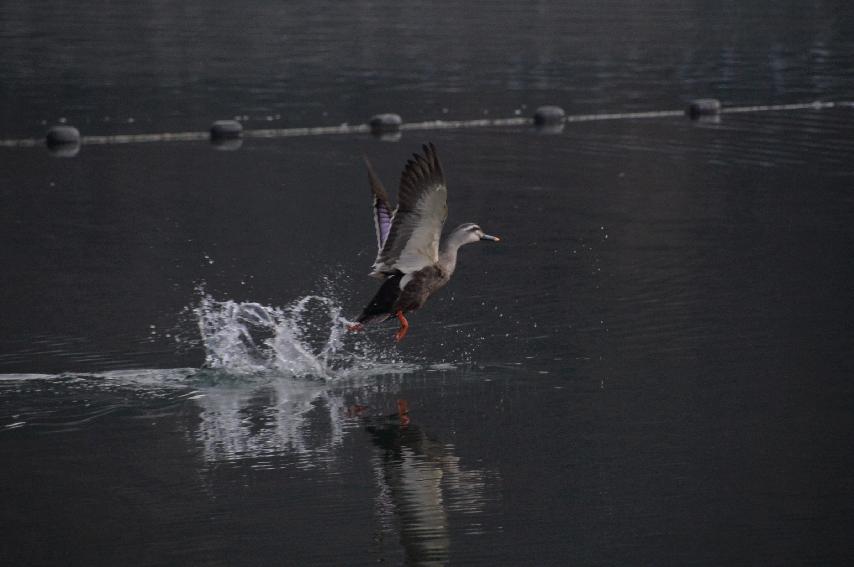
{"points": [[653, 367]]}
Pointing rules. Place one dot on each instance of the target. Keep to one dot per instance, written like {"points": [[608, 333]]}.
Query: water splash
{"points": [[308, 338]]}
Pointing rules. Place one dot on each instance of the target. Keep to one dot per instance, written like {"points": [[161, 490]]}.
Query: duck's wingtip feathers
{"points": [[433, 157], [424, 166], [376, 184]]}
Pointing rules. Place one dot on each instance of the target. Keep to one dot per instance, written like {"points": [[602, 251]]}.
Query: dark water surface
{"points": [[653, 367]]}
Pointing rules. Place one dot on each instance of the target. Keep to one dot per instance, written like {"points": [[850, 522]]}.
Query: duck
{"points": [[413, 260]]}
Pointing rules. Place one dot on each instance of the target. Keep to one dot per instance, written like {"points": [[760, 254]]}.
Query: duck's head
{"points": [[470, 232]]}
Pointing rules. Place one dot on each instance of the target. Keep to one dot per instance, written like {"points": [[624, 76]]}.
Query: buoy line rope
{"points": [[554, 120]]}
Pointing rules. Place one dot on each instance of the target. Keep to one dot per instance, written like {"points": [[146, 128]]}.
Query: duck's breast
{"points": [[420, 285]]}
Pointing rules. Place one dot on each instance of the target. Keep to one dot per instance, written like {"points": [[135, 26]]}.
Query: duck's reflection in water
{"points": [[420, 484], [423, 491]]}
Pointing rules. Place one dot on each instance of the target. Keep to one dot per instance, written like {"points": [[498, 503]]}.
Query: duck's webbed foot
{"points": [[355, 327], [404, 327]]}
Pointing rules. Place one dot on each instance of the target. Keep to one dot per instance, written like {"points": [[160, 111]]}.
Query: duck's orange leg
{"points": [[404, 327], [403, 412], [355, 327]]}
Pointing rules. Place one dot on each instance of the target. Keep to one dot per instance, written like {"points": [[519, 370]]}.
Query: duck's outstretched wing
{"points": [[416, 226], [381, 206]]}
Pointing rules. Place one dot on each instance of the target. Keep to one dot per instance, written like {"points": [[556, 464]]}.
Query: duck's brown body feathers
{"points": [[391, 298]]}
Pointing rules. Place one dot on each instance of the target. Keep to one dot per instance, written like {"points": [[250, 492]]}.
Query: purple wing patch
{"points": [[382, 220], [382, 210]]}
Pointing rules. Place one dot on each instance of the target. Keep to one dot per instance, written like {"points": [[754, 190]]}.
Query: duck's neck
{"points": [[448, 253]]}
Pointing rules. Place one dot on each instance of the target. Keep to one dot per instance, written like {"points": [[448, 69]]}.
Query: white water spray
{"points": [[308, 338]]}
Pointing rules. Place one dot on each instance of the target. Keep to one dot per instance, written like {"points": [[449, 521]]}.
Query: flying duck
{"points": [[411, 261]]}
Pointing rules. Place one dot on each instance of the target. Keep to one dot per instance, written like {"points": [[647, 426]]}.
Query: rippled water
{"points": [[652, 367]]}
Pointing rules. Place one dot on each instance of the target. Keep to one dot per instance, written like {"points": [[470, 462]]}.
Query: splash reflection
{"points": [[256, 417]]}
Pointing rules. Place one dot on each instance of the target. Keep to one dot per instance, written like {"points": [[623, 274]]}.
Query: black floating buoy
{"points": [[549, 116], [63, 141], [226, 130], [385, 124], [62, 135], [703, 107]]}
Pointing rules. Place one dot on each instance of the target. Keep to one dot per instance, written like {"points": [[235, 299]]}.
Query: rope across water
{"points": [[398, 126]]}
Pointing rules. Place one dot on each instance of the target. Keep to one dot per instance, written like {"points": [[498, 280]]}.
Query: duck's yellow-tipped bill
{"points": [[490, 237]]}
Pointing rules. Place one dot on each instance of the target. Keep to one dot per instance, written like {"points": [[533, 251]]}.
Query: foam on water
{"points": [[308, 338]]}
